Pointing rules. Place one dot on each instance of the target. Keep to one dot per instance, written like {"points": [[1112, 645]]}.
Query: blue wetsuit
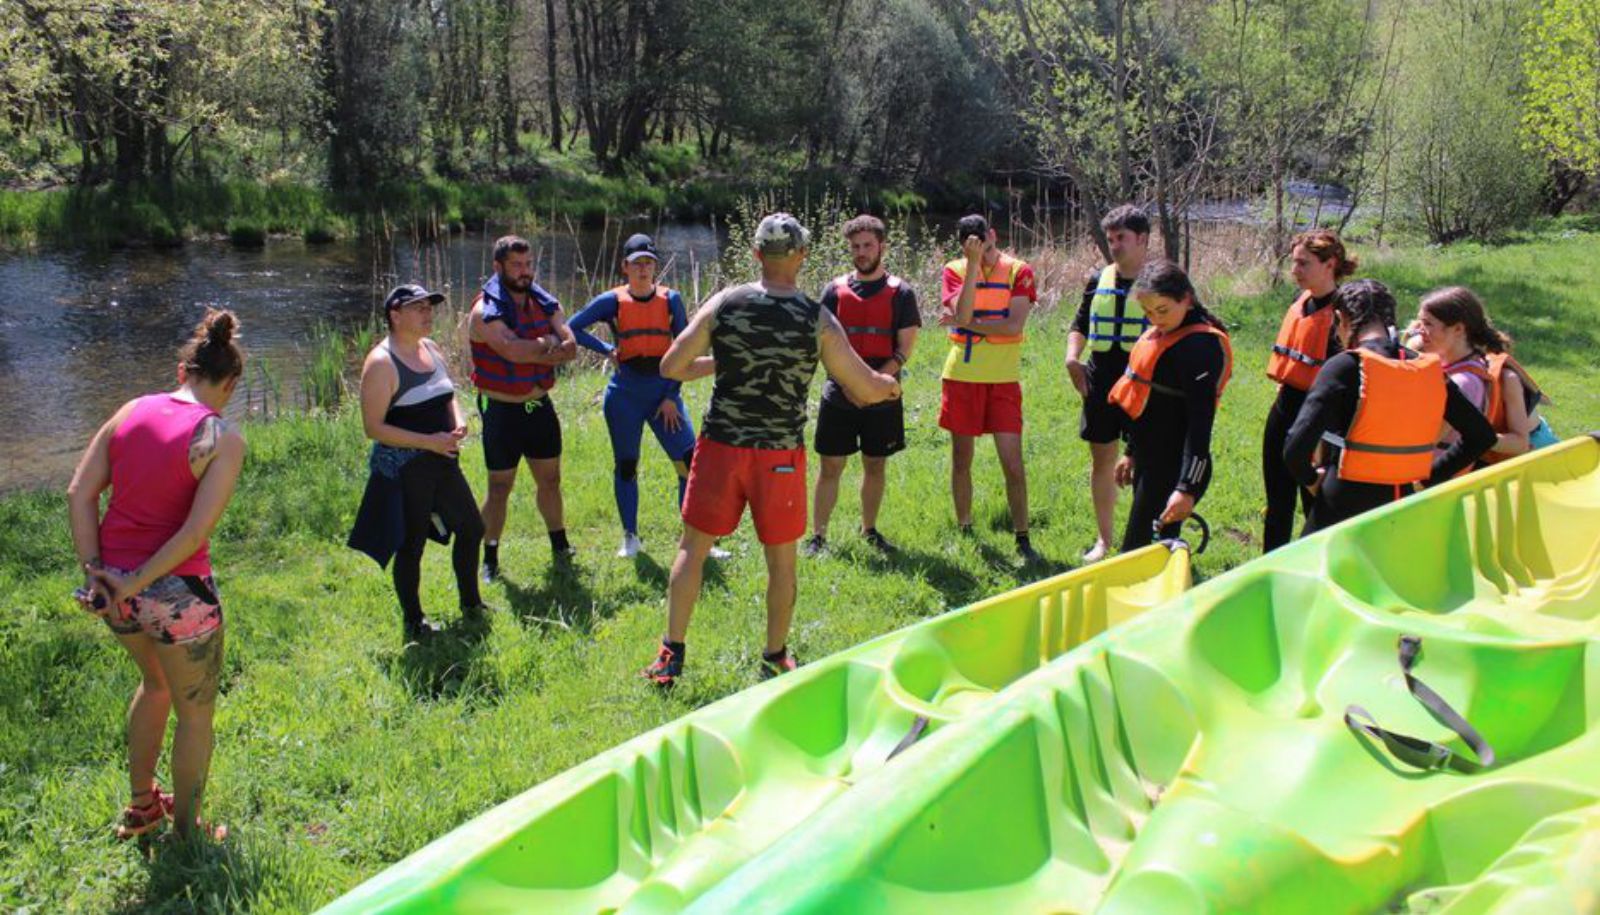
{"points": [[632, 401]]}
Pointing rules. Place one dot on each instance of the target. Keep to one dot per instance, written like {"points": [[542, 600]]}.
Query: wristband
{"points": [[900, 358]]}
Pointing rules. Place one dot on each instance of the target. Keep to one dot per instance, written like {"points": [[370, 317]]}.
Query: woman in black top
{"points": [[1168, 453], [409, 410], [1364, 313]]}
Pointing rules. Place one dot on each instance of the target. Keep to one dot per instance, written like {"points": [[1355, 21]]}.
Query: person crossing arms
{"points": [[766, 338], [880, 318], [1106, 326], [643, 317], [1306, 341], [518, 337], [985, 302], [1378, 406], [1169, 391]]}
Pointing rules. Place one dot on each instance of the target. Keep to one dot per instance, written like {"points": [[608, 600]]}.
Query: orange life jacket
{"points": [[993, 300], [1495, 401], [1302, 345], [868, 322], [1397, 420], [643, 329], [1132, 390]]}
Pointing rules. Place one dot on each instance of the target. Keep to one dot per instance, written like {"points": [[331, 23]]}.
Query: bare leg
{"points": [[501, 482], [827, 492], [872, 486], [192, 670], [147, 716], [547, 476], [961, 448], [781, 590], [683, 587], [1008, 446], [1103, 489]]}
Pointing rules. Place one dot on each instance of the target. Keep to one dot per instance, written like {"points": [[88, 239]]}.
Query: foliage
{"points": [[1563, 98]]}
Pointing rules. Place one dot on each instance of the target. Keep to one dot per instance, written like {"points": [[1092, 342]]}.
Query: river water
{"points": [[81, 332]]}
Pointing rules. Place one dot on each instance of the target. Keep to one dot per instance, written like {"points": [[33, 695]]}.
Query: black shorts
{"points": [[1102, 422], [843, 429], [513, 431]]}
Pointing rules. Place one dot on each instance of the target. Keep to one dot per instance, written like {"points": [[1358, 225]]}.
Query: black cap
{"points": [[972, 225], [637, 246], [406, 293]]}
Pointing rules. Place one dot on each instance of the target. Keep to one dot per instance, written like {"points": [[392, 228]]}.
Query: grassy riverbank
{"points": [[338, 753]]}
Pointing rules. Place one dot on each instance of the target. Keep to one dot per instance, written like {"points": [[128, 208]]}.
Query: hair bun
{"points": [[219, 326]]}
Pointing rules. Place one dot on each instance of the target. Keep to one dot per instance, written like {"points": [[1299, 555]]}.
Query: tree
{"points": [[1562, 105]]}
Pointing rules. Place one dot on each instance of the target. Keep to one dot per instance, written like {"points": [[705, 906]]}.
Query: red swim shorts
{"points": [[723, 479], [981, 408]]}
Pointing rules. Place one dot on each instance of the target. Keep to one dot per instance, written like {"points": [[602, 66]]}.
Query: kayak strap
{"points": [[1415, 751], [1176, 542], [918, 728]]}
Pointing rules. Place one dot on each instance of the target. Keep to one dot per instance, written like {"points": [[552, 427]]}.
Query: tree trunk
{"points": [[552, 96]]}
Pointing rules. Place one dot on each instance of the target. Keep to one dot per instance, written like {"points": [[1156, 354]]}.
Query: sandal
{"points": [[139, 820]]}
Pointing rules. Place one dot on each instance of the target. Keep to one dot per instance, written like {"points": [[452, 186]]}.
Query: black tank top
{"points": [[766, 350]]}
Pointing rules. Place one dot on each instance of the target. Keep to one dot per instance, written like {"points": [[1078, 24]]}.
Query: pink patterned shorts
{"points": [[175, 609]]}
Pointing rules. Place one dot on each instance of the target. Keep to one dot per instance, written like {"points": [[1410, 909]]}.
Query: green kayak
{"points": [[1396, 715], [653, 823]]}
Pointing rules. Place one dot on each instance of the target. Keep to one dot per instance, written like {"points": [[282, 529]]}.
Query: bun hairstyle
{"points": [[1460, 305], [1364, 302], [1164, 278], [213, 351], [1325, 245]]}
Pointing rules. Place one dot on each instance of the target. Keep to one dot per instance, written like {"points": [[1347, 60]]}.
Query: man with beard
{"points": [[518, 337], [879, 314]]}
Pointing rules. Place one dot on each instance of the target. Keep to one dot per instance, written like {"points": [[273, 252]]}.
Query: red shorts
{"points": [[723, 479], [979, 408]]}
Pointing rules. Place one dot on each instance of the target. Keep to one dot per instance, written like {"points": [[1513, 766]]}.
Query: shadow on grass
{"points": [[198, 877], [446, 665], [954, 582]]}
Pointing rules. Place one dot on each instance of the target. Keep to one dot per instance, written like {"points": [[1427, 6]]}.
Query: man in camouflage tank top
{"points": [[764, 340]]}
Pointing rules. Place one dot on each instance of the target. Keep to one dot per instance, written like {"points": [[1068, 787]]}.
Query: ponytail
{"points": [[1460, 305]]}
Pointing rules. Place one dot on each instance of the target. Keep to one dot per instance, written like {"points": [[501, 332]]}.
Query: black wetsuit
{"points": [[1280, 484], [1171, 441], [1330, 407]]}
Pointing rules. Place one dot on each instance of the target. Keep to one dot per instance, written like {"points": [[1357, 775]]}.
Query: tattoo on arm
{"points": [[203, 444]]}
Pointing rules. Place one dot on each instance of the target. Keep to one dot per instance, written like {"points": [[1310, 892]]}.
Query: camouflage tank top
{"points": [[766, 350]]}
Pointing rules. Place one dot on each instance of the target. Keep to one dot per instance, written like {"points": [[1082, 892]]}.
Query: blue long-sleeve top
{"points": [[603, 309]]}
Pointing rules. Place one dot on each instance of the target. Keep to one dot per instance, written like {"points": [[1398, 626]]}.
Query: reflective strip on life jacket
{"points": [[1302, 345], [993, 300], [1106, 327], [642, 329], [1132, 390], [1397, 419]]}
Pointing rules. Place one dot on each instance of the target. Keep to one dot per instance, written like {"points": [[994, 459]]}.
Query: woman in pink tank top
{"points": [[171, 463]]}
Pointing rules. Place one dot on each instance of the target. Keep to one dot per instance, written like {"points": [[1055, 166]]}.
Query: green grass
{"points": [[338, 753]]}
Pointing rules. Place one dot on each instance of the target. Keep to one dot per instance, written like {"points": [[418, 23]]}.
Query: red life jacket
{"points": [[643, 329], [1397, 420], [1132, 390], [869, 322], [492, 371], [1302, 345]]}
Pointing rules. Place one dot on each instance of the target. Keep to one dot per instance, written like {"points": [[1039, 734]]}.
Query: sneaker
{"points": [[878, 541], [1096, 553], [421, 631], [565, 555], [631, 545], [718, 553], [489, 572], [665, 670], [965, 530], [774, 666], [476, 615], [815, 545], [1029, 555]]}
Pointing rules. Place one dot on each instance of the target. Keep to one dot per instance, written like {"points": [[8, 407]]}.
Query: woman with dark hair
{"points": [[1175, 377], [1453, 325], [409, 410], [171, 462], [1306, 341], [1378, 407]]}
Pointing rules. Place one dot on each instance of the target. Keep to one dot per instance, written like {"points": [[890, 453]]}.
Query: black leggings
{"points": [[431, 483], [1152, 487], [1280, 484]]}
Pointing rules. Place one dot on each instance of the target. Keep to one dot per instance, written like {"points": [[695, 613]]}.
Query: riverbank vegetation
{"points": [[339, 752], [133, 121]]}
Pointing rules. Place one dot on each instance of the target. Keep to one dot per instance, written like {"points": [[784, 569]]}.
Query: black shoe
{"points": [[420, 631], [878, 541], [1030, 556], [489, 573], [564, 555], [476, 615], [965, 530], [814, 546]]}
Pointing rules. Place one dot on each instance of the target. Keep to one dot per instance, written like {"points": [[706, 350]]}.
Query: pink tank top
{"points": [[152, 487]]}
